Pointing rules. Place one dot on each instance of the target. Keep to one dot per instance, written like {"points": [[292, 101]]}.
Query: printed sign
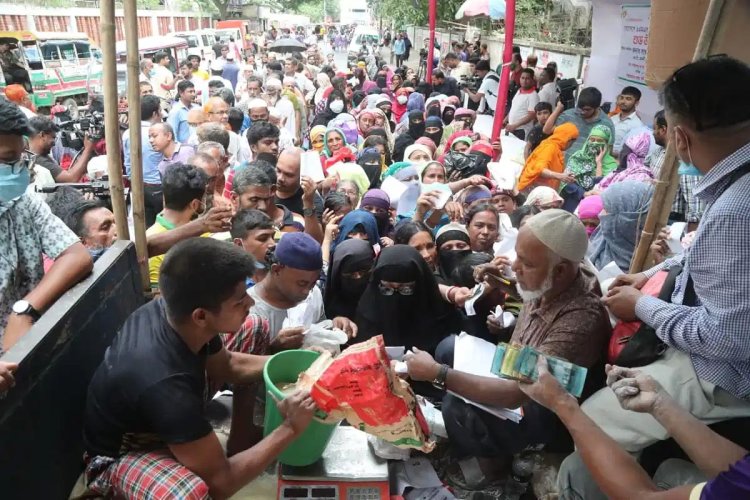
{"points": [[631, 67]]}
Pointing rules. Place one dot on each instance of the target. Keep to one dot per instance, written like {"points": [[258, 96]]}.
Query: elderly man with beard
{"points": [[562, 316]]}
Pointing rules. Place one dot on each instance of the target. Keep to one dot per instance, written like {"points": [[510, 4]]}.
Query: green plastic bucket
{"points": [[281, 369]]}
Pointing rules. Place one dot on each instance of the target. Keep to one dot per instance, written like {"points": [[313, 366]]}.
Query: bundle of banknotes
{"points": [[518, 362]]}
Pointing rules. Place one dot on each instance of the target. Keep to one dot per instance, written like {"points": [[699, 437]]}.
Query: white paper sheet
{"points": [[507, 248], [476, 294], [310, 166], [474, 355], [445, 193], [676, 232], [394, 188], [407, 203], [395, 353]]}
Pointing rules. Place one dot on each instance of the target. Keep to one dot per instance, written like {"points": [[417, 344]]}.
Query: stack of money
{"points": [[518, 362]]}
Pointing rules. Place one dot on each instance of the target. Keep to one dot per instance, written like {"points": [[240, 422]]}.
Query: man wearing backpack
{"points": [[706, 365], [488, 90]]}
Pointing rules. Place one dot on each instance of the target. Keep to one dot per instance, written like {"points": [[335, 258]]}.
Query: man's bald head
{"points": [[211, 168], [217, 110], [288, 171], [196, 116]]}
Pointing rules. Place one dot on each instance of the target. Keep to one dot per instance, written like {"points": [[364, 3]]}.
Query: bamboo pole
{"points": [[136, 156], [666, 186], [111, 124]]}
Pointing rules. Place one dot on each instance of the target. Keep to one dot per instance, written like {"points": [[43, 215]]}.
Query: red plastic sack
{"points": [[360, 386]]}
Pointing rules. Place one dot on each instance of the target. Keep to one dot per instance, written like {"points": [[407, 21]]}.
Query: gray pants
{"points": [[574, 481]]}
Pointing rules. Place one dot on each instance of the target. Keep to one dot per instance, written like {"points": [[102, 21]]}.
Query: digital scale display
{"points": [[348, 470]]}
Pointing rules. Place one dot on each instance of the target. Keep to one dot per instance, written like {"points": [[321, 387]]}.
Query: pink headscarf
{"points": [[426, 141], [590, 208], [639, 145]]}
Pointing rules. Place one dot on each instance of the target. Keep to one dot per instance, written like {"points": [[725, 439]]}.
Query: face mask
{"points": [[96, 252], [337, 106], [688, 169], [12, 185], [353, 287], [402, 99], [152, 73]]}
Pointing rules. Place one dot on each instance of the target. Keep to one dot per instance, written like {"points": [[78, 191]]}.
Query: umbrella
{"points": [[492, 8], [287, 45]]}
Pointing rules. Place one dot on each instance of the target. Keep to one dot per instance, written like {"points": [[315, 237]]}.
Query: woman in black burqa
{"points": [[402, 302]]}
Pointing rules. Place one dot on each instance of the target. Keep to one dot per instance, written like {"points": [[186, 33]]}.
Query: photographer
{"points": [[42, 136], [488, 90]]}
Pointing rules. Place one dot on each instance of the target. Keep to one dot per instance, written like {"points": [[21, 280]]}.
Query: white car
{"points": [[366, 34]]}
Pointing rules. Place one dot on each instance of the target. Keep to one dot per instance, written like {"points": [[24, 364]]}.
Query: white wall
{"points": [[605, 51]]}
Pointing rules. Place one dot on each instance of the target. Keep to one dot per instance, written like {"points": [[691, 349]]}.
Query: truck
{"points": [[354, 12]]}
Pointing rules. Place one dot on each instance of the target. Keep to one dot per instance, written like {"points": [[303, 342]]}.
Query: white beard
{"points": [[532, 295]]}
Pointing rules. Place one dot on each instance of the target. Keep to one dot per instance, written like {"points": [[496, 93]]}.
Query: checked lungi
{"points": [[145, 474]]}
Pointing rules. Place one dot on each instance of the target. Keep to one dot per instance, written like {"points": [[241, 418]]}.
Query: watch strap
{"points": [[308, 212], [439, 381]]}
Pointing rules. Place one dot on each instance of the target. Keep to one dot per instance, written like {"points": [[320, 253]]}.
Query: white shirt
{"points": [[489, 88], [548, 93], [522, 103], [306, 313], [162, 76], [239, 149], [623, 126]]}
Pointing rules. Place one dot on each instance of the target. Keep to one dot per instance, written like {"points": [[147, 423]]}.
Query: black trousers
{"points": [[476, 433], [153, 202]]}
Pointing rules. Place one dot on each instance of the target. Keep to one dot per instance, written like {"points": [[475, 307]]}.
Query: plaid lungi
{"points": [[157, 474], [144, 475]]}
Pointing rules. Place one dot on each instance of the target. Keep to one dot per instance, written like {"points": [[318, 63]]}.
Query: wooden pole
{"points": [[431, 45], [136, 156], [502, 98], [666, 186], [111, 123]]}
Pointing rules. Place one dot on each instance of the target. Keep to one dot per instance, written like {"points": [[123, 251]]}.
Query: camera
{"points": [[469, 82], [98, 187], [74, 131], [566, 90]]}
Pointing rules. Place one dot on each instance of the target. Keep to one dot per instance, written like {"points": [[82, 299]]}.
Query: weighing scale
{"points": [[348, 470]]}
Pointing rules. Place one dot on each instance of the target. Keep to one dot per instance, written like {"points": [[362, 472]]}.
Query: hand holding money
{"points": [[519, 362], [545, 390]]}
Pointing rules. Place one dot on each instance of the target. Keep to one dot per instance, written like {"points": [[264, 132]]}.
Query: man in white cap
{"points": [[562, 316], [257, 109]]}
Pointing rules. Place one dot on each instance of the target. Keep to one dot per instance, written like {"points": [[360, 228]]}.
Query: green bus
{"points": [[55, 64]]}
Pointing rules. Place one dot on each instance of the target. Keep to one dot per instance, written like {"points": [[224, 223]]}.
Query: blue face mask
{"points": [[96, 252], [13, 185], [688, 169]]}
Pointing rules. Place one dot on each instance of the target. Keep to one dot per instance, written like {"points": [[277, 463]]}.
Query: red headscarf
{"points": [[397, 108]]}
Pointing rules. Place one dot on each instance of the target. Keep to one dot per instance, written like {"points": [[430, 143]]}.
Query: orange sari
{"points": [[550, 154]]}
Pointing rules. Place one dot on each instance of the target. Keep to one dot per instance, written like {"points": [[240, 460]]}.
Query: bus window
{"points": [[83, 49], [33, 56]]}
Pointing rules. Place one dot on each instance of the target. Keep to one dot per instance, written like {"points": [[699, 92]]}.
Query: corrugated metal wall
{"points": [[12, 23], [91, 24], [52, 23]]}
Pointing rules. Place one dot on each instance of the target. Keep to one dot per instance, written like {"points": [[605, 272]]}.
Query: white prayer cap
{"points": [[257, 103], [561, 232]]}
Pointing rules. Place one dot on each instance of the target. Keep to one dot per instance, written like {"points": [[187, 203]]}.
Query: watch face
{"points": [[20, 307]]}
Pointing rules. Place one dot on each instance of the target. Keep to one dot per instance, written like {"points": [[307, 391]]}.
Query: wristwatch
{"points": [[308, 212], [439, 381], [23, 307]]}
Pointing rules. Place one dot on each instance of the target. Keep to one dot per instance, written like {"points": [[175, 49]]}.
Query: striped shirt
{"points": [[715, 332]]}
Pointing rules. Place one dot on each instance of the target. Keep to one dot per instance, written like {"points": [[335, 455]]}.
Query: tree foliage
{"points": [[314, 10]]}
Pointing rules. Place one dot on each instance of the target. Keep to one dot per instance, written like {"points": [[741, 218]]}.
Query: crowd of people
{"points": [[286, 187]]}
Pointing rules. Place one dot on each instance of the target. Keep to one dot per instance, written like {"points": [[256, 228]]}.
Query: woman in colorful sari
{"points": [[588, 165], [632, 167], [546, 165]]}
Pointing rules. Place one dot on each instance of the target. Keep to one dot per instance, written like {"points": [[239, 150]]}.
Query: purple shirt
{"points": [[734, 483], [182, 152]]}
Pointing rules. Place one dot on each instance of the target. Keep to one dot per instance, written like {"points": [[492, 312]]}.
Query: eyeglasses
{"points": [[404, 290], [25, 161], [219, 112]]}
